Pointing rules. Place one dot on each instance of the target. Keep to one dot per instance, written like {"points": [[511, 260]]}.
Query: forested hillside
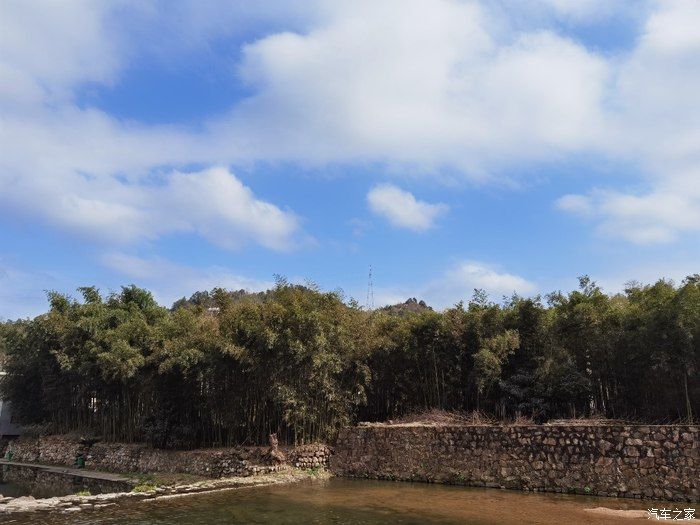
{"points": [[227, 368]]}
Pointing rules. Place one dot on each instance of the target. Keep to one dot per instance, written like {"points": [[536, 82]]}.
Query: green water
{"points": [[343, 501]]}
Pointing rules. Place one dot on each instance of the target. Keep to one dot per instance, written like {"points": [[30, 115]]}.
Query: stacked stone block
{"points": [[614, 460]]}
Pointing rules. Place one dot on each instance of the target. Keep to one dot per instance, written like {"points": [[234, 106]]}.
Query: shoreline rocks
{"points": [[74, 503]]}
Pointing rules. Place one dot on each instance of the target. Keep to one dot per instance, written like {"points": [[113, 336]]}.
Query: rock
{"points": [[604, 446], [22, 503], [23, 500]]}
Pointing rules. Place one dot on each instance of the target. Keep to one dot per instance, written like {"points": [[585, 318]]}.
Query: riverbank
{"points": [[155, 491], [117, 471], [659, 462], [237, 461], [342, 501]]}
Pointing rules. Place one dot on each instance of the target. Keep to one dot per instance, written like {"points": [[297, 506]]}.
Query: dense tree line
{"points": [[228, 367]]}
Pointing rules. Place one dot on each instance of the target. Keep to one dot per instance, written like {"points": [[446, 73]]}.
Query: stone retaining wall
{"points": [[53, 450], [309, 456], [123, 457], [625, 461]]}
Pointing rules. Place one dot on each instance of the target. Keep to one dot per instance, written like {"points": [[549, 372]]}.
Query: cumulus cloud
{"points": [[212, 203], [473, 274], [654, 121], [642, 219], [458, 284], [82, 170], [215, 204], [402, 209], [480, 99], [49, 47], [421, 83], [439, 85]]}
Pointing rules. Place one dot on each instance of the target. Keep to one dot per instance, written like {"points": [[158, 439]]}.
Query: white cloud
{"points": [[418, 82], [215, 204], [458, 284], [479, 96], [402, 209], [84, 171], [169, 281], [431, 84], [47, 48], [473, 274], [654, 121], [212, 203], [575, 204], [643, 219]]}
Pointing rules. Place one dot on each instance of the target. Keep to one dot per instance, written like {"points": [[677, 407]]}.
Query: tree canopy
{"points": [[230, 367]]}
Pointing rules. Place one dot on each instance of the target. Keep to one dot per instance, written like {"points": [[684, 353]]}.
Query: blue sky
{"points": [[450, 144]]}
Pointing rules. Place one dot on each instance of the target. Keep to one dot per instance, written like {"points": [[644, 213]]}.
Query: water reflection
{"points": [[18, 481], [342, 501]]}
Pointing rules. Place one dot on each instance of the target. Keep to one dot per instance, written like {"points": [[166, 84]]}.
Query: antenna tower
{"points": [[370, 291]]}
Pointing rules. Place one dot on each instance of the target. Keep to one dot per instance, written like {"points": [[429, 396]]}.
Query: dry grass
{"points": [[437, 417], [586, 421], [592, 420], [523, 421]]}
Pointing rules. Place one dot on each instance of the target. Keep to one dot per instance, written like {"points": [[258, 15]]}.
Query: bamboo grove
{"points": [[225, 368]]}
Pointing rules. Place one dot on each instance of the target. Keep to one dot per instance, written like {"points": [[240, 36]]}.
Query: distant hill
{"points": [[411, 306]]}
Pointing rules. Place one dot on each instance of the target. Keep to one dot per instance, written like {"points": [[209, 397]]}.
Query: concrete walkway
{"points": [[89, 474]]}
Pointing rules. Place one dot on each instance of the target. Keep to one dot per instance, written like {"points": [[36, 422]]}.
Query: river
{"points": [[354, 502]]}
